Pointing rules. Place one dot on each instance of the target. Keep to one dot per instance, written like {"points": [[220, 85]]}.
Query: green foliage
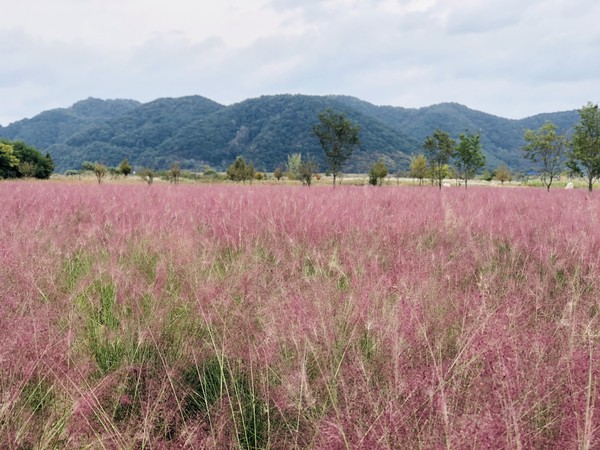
{"points": [[338, 137], [27, 169], [439, 149], [87, 166], [125, 168], [206, 384], [197, 131], [468, 157], [377, 173], [101, 314], [278, 173], [486, 175], [38, 394], [100, 171], [147, 175], [174, 173], [584, 158], [293, 166], [217, 377], [547, 148], [240, 171], [419, 168], [18, 160], [502, 173], [8, 161], [209, 172], [306, 171]]}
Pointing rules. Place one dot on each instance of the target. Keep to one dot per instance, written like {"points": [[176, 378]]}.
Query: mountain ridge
{"points": [[198, 131]]}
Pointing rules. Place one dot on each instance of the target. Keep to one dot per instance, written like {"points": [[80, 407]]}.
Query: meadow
{"points": [[220, 316]]}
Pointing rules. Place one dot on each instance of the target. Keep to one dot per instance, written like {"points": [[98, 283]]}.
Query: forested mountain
{"points": [[57, 125], [136, 134], [501, 138], [197, 131]]}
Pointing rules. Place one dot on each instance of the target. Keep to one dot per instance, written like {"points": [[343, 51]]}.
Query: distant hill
{"points": [[502, 138], [197, 131], [57, 125]]}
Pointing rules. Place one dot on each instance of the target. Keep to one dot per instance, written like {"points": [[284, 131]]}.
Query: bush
{"points": [[377, 173]]}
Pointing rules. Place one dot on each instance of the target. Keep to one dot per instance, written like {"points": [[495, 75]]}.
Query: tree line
{"points": [[553, 152], [442, 156], [339, 137], [19, 160], [550, 151]]}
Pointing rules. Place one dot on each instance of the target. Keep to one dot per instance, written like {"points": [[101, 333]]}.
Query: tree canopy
{"points": [[584, 158], [418, 167], [502, 173], [439, 148], [468, 157], [19, 160], [377, 173], [547, 148], [240, 170], [125, 168], [338, 137]]}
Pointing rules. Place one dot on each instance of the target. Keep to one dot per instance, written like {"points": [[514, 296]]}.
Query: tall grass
{"points": [[287, 317]]}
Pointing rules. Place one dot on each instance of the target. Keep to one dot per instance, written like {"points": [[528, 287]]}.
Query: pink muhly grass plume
{"points": [[256, 316]]}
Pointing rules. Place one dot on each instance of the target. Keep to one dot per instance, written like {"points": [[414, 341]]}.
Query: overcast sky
{"points": [[512, 58]]}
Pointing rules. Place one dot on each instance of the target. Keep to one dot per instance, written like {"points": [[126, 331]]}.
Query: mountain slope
{"points": [[132, 133], [502, 138], [57, 125], [266, 129], [197, 131]]}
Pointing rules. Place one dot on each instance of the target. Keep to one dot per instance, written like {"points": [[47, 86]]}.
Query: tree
{"points": [[307, 169], [100, 171], [240, 171], [486, 175], [27, 169], [278, 174], [338, 137], [147, 175], [418, 168], [87, 166], [9, 162], [49, 164], [174, 172], [18, 159], [124, 167], [548, 149], [209, 172], [502, 173], [584, 158], [44, 166], [377, 173], [439, 148], [468, 157], [293, 166]]}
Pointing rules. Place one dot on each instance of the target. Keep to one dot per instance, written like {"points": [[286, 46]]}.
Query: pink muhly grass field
{"points": [[136, 316]]}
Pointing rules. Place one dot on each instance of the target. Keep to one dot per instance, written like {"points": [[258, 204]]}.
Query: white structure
{"points": [[569, 185]]}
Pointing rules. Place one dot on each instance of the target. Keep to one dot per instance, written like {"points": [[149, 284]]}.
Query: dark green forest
{"points": [[197, 131]]}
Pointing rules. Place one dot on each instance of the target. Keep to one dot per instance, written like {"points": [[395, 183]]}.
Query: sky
{"points": [[511, 58]]}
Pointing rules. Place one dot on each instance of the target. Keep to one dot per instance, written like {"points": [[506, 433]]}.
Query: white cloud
{"points": [[505, 57]]}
